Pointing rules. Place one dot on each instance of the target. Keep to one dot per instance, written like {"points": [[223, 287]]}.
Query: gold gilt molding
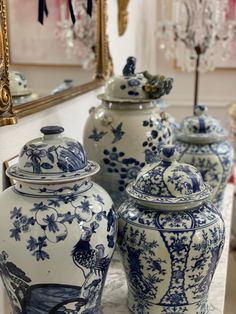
{"points": [[104, 67], [6, 114], [122, 16]]}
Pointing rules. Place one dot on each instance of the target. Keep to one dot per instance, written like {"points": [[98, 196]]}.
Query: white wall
{"points": [[217, 88]]}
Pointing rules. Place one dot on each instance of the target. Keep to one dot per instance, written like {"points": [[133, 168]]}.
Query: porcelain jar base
{"points": [[195, 308]]}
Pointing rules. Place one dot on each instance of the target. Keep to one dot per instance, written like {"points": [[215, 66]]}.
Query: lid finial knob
{"points": [[200, 110], [51, 130], [169, 153]]}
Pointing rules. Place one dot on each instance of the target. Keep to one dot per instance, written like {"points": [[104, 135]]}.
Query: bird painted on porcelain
{"points": [[86, 257]]}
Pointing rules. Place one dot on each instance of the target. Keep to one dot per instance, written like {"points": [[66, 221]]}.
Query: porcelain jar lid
{"points": [[134, 87], [52, 158], [201, 128], [18, 84], [168, 183]]}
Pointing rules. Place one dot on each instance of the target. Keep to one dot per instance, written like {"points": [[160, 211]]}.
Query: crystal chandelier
{"points": [[190, 29]]}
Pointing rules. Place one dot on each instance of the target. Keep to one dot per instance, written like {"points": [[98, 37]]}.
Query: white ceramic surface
{"points": [[18, 84], [201, 143], [56, 238], [169, 254], [126, 131]]}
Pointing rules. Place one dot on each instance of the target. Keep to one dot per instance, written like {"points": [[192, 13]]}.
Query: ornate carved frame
{"points": [[104, 68], [6, 114]]}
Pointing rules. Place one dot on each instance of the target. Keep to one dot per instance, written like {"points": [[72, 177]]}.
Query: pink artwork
{"points": [[230, 60], [33, 43]]}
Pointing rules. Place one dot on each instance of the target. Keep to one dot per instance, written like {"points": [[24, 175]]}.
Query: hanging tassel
{"points": [[71, 11], [90, 7], [42, 9]]}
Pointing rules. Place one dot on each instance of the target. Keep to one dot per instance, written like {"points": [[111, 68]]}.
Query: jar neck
{"points": [[46, 190], [128, 105]]}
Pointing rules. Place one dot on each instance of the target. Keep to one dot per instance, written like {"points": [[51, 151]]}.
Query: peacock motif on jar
{"points": [[201, 142], [170, 239], [127, 130], [58, 230]]}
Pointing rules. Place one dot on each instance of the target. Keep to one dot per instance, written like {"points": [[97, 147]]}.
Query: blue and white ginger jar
{"points": [[170, 238], [126, 131], [201, 142], [57, 229]]}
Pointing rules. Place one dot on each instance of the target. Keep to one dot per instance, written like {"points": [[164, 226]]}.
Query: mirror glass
{"points": [[49, 58]]}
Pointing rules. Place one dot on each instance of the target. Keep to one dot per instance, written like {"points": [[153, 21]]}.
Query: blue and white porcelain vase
{"points": [[57, 229], [170, 239], [201, 142], [126, 131]]}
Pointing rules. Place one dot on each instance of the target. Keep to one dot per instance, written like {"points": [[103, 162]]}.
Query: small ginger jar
{"points": [[126, 131], [201, 142], [19, 89], [170, 238], [57, 229]]}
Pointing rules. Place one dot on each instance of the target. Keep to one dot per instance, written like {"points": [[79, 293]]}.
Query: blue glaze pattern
{"points": [[68, 158], [29, 298], [170, 238], [118, 133], [48, 130], [127, 168], [133, 124], [97, 135], [58, 230], [53, 223], [168, 182], [178, 253], [214, 162]]}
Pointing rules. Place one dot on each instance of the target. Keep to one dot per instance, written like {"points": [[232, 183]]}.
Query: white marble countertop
{"points": [[115, 293]]}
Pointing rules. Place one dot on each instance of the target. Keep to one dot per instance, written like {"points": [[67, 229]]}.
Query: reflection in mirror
{"points": [[47, 59]]}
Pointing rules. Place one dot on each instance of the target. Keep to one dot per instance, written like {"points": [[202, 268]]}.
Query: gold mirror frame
{"points": [[6, 113], [104, 69]]}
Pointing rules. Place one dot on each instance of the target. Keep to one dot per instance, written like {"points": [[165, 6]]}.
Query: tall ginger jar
{"points": [[57, 229], [126, 131], [201, 141], [170, 239]]}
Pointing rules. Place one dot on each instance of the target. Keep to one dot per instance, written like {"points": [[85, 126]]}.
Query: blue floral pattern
{"points": [[126, 168], [135, 247], [97, 135], [178, 251], [160, 134], [115, 160], [214, 161], [68, 158], [53, 222], [118, 133]]}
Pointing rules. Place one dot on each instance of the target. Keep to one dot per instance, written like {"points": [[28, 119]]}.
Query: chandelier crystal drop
{"points": [[189, 28]]}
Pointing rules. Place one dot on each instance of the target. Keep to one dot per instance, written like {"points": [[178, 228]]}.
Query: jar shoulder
{"points": [[183, 220]]}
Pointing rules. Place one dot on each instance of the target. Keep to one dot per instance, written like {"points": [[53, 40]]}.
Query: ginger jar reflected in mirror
{"points": [[57, 229], [127, 130], [170, 238], [201, 142]]}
